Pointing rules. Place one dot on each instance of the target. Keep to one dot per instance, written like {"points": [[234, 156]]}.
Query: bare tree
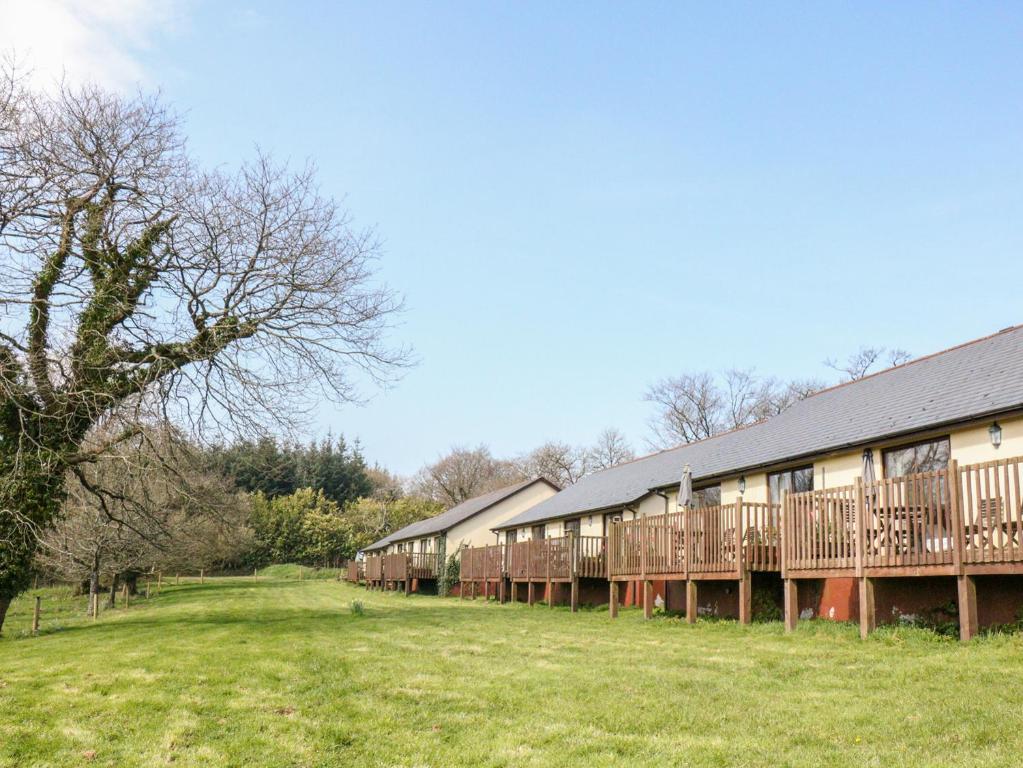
{"points": [[560, 463], [697, 406], [611, 449], [865, 359], [689, 408], [463, 474], [133, 282]]}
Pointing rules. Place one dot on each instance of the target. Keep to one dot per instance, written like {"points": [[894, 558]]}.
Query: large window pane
{"points": [[931, 456], [707, 497], [572, 527], [797, 480]]}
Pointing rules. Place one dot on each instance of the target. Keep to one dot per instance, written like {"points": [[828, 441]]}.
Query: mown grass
{"points": [[244, 672]]}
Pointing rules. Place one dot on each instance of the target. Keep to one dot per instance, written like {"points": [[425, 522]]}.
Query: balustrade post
{"points": [[860, 521], [642, 546], [955, 497], [740, 553], [550, 591], [686, 538], [783, 533]]}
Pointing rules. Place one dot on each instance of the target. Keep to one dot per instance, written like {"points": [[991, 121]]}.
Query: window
{"points": [[707, 497], [510, 537], [796, 480], [539, 531], [931, 456], [572, 527]]}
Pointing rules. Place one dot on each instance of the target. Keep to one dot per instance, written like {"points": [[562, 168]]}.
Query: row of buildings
{"points": [[892, 498]]}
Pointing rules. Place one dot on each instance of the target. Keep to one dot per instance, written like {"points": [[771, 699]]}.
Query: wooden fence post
{"points": [[967, 589], [124, 595], [177, 579], [147, 589], [791, 604], [35, 615], [202, 575], [867, 608]]}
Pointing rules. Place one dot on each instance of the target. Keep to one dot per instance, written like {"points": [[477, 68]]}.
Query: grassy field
{"points": [[243, 672]]}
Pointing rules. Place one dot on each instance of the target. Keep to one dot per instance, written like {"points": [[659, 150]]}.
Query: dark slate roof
{"points": [[455, 515], [977, 379], [380, 544]]}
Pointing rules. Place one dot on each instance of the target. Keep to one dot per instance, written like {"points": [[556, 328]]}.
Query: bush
{"points": [[293, 571], [357, 608], [449, 576]]}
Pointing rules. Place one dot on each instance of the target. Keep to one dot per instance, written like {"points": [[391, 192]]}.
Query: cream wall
{"points": [[476, 531]]}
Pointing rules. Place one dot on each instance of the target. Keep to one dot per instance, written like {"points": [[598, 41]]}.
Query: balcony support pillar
{"points": [[791, 602], [868, 612], [967, 607]]}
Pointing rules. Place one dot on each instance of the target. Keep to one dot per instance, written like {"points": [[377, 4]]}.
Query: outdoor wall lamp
{"points": [[995, 431], [742, 483]]}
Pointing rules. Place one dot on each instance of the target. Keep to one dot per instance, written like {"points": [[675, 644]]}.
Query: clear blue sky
{"points": [[579, 198]]}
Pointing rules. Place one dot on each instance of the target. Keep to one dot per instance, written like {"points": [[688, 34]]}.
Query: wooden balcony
{"points": [[355, 572], [960, 520], [559, 560], [706, 543], [399, 568]]}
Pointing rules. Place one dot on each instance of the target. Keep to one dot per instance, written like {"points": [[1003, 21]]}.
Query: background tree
{"points": [[558, 462], [463, 474], [275, 468], [611, 449], [133, 281], [372, 518], [867, 359], [695, 406]]}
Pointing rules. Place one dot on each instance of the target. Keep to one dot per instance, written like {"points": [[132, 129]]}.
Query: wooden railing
{"points": [[396, 566], [374, 567], [907, 522], [762, 536], [820, 530], [992, 508], [713, 542], [482, 563], [942, 520], [563, 557], [422, 565], [590, 557], [354, 571]]}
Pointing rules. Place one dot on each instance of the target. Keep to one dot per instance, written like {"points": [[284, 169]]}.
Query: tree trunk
{"points": [[5, 603], [112, 600]]}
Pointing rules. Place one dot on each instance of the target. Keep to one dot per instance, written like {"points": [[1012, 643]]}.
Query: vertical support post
{"points": [[530, 593], [791, 602], [967, 607], [690, 601], [745, 598], [740, 549], [612, 602], [202, 574], [783, 533], [861, 534], [575, 594], [124, 595], [514, 591], [159, 580], [177, 579], [408, 585], [35, 615], [868, 613], [648, 599], [147, 589], [955, 497], [550, 588]]}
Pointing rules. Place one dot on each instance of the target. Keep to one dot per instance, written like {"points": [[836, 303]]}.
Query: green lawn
{"points": [[240, 672]]}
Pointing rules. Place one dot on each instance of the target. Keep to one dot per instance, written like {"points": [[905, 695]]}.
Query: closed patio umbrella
{"points": [[685, 488], [869, 478]]}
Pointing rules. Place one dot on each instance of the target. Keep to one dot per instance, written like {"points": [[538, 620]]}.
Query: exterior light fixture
{"points": [[995, 432], [742, 483]]}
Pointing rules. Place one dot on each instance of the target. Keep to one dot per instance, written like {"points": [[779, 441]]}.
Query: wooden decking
{"points": [[399, 569], [962, 522], [559, 560]]}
